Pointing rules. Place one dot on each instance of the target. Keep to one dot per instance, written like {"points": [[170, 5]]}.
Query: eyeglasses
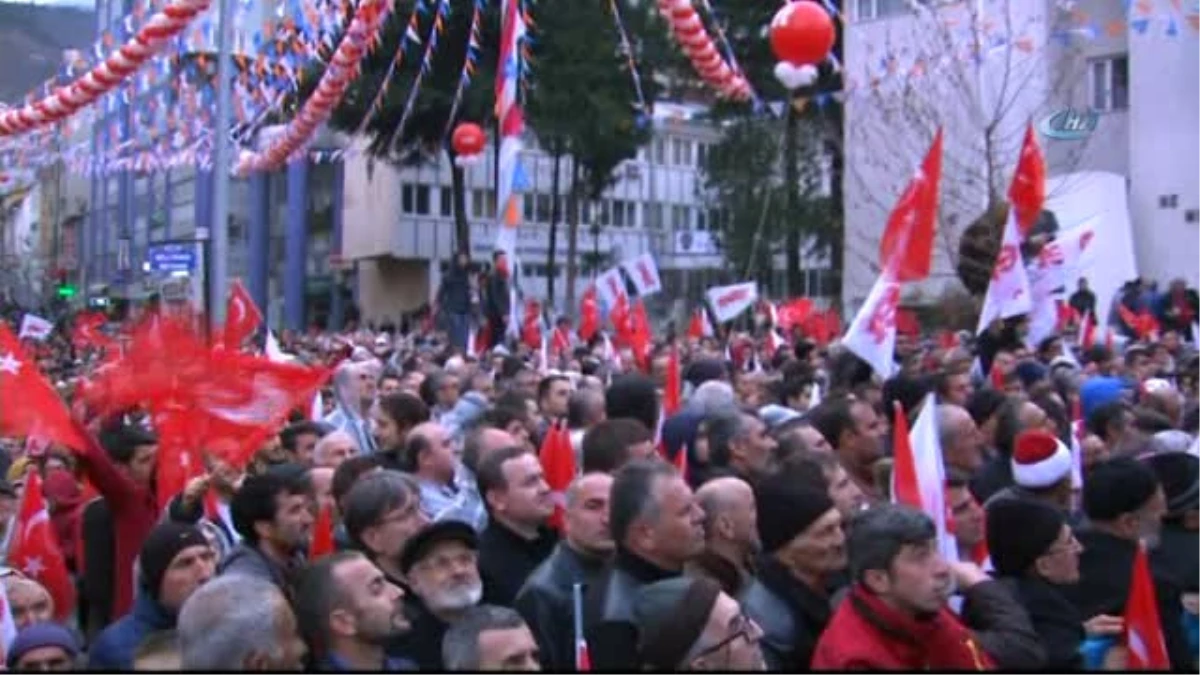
{"points": [[740, 627]]}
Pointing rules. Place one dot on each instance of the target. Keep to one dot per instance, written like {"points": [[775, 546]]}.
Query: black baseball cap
{"points": [[423, 541]]}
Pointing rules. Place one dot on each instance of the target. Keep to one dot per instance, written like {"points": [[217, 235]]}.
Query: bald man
{"points": [[730, 533], [962, 443]]}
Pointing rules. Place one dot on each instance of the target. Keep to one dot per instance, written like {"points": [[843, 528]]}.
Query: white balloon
{"points": [[794, 77]]}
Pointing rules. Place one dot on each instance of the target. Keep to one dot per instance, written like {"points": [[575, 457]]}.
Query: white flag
{"points": [[274, 351], [872, 334], [1008, 292], [729, 301], [644, 273], [931, 474], [611, 287], [35, 327]]}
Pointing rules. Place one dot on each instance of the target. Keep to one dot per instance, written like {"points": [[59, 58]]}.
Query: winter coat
{"points": [[790, 614], [1002, 626], [498, 301], [546, 602], [249, 560], [867, 634], [608, 611], [1057, 622], [423, 642], [506, 560], [454, 294], [113, 649]]}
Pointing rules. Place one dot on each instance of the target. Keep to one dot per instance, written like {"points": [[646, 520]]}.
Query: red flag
{"points": [[322, 535], [699, 326], [87, 332], [558, 464], [907, 240], [640, 335], [178, 461], [907, 323], [794, 312], [1087, 330], [619, 316], [1028, 189], [35, 549], [905, 487], [673, 386], [30, 404], [1143, 635], [589, 314], [531, 326], [242, 316]]}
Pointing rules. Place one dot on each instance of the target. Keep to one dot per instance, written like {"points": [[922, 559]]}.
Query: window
{"points": [[446, 197], [483, 203], [660, 151], [527, 204], [681, 152], [602, 218], [1168, 201], [654, 215], [1109, 83], [585, 212], [415, 199], [1191, 216], [701, 154], [701, 219], [631, 214], [679, 217], [543, 208], [879, 9]]}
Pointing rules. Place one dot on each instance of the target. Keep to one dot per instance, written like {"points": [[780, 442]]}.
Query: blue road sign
{"points": [[171, 257]]}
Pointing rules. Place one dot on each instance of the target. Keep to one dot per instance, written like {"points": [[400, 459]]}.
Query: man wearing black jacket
{"points": [[454, 299], [516, 539], [1125, 504], [498, 302], [657, 525], [546, 599]]}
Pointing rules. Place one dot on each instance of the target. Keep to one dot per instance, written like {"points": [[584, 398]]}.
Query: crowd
{"points": [[408, 522]]}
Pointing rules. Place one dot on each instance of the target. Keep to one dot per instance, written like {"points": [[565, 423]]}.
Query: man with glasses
{"points": [[689, 624]]}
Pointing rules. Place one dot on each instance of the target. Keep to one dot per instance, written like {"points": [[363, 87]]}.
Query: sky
{"points": [[61, 3]]}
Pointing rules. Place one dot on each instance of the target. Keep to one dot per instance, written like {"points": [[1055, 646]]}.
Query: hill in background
{"points": [[32, 40]]}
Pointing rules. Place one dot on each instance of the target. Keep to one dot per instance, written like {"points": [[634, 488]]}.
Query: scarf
{"points": [[937, 643]]}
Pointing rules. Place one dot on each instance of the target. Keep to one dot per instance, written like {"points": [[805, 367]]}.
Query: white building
{"points": [[399, 224], [909, 70]]}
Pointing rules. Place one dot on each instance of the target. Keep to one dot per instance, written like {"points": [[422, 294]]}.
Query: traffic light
{"points": [[66, 291]]}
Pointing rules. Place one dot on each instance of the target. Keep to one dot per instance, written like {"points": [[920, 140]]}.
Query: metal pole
{"points": [[219, 232]]}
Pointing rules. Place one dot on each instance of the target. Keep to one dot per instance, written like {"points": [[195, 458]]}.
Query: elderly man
{"points": [[239, 622], [687, 624], [730, 533], [442, 569], [738, 444], [354, 393], [334, 448], [962, 444]]}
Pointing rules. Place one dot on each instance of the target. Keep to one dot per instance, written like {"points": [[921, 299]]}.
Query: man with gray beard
{"points": [[442, 568]]}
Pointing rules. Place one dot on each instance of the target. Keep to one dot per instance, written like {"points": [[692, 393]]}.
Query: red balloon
{"points": [[468, 139], [802, 33]]}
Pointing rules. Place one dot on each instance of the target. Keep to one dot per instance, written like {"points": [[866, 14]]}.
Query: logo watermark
{"points": [[1069, 124]]}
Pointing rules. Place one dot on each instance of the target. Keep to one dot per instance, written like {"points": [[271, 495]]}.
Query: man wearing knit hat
{"points": [[176, 559], [803, 547], [43, 647], [1041, 470], [1035, 554], [690, 624], [1125, 504]]}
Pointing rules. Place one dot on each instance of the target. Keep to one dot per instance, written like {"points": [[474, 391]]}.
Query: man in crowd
{"points": [[612, 443], [300, 439], [731, 538], [429, 456], [856, 433], [490, 638], [546, 598], [239, 622], [517, 538], [333, 449], [687, 624], [175, 561], [382, 513], [346, 605], [739, 445], [43, 647], [273, 512]]}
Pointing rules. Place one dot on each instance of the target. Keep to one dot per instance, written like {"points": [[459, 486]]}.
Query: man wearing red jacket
{"points": [[121, 467]]}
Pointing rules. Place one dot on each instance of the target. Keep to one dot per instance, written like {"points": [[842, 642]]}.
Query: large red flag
{"points": [[1028, 189], [907, 240], [640, 335], [87, 332], [34, 548], [1143, 628], [673, 384], [28, 404], [322, 535], [242, 316]]}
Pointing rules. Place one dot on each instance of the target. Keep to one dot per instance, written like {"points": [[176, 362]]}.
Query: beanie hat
{"points": [[1030, 373], [165, 542], [1179, 474], [1039, 459], [1019, 531], [1116, 487], [39, 635], [1098, 391], [785, 509], [670, 616]]}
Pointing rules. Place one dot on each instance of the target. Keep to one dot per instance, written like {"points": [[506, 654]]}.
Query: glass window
{"points": [[701, 219], [679, 217], [527, 203], [681, 152], [422, 193], [406, 199], [602, 218], [446, 196], [618, 213], [1109, 83], [701, 154], [653, 214], [631, 214], [544, 208], [660, 151]]}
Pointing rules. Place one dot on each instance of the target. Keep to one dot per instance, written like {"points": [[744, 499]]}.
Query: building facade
{"points": [[912, 66], [399, 222]]}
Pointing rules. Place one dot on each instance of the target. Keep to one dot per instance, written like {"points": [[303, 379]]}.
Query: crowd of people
{"points": [[409, 522]]}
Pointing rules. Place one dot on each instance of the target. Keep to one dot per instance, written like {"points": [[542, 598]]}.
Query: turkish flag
{"points": [[699, 326], [34, 549], [558, 464], [589, 314], [86, 332], [1143, 627], [242, 316], [793, 312], [1028, 189], [673, 384], [907, 241], [31, 406]]}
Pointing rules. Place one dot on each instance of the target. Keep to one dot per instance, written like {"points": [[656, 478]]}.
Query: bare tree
{"points": [[981, 71]]}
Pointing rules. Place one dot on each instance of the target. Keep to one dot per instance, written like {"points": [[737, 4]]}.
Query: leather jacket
{"points": [[608, 611], [546, 603]]}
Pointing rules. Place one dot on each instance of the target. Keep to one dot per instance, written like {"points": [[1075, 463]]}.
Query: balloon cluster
{"points": [[468, 141], [801, 36], [693, 37]]}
